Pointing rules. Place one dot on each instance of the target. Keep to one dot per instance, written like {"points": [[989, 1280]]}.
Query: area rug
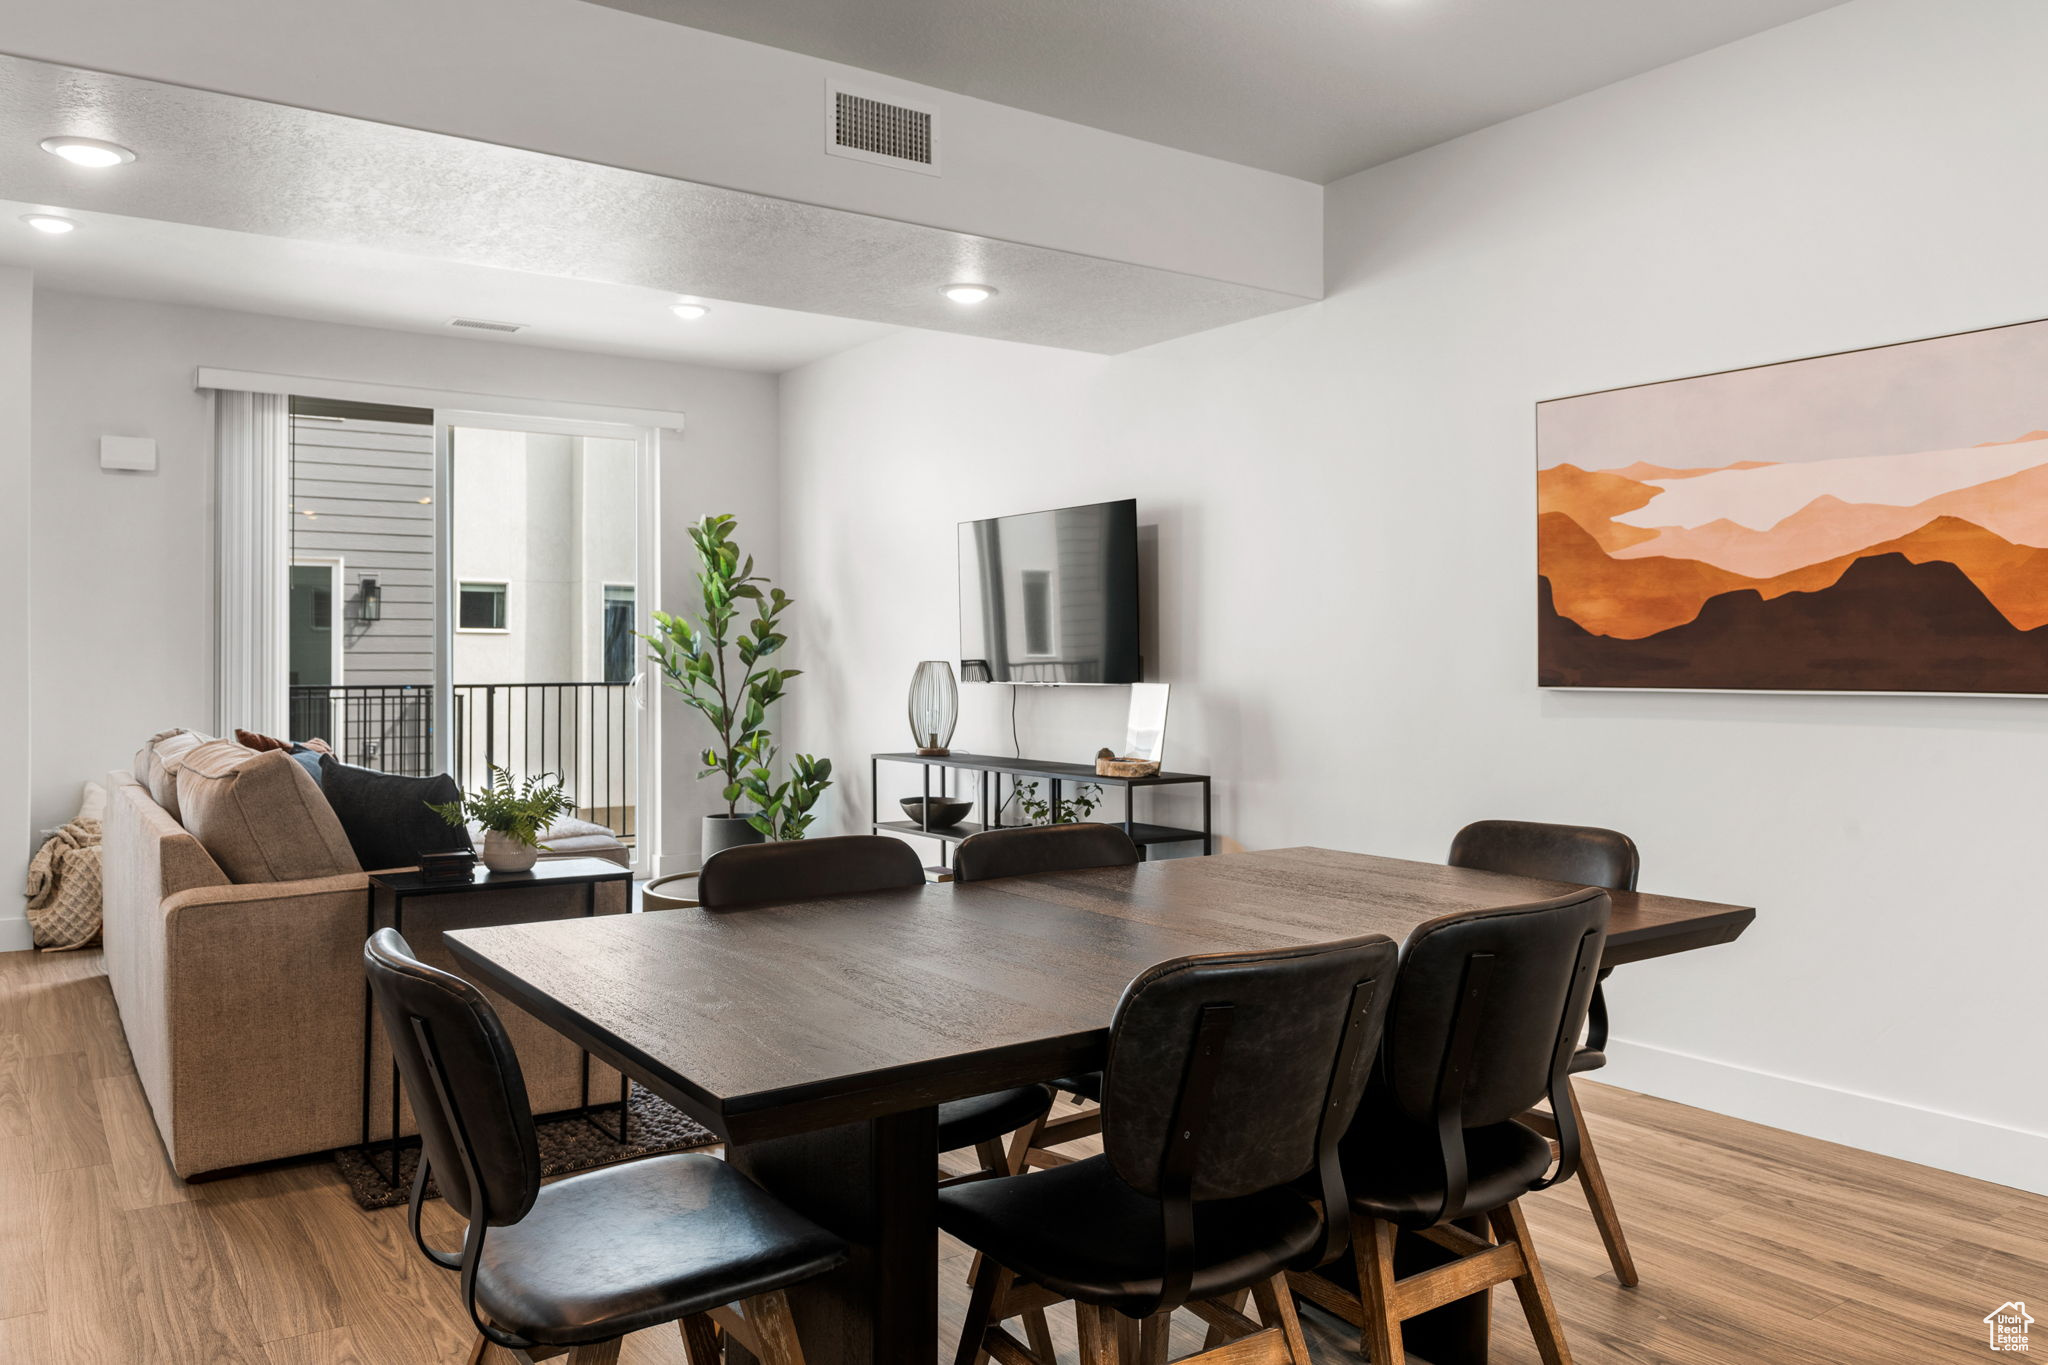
{"points": [[567, 1144]]}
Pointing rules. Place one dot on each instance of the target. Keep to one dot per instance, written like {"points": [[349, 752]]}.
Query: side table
{"points": [[390, 895]]}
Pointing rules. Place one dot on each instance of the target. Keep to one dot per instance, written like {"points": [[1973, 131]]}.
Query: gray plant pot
{"points": [[727, 831]]}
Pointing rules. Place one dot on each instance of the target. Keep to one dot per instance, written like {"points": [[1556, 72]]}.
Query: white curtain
{"points": [[252, 548]]}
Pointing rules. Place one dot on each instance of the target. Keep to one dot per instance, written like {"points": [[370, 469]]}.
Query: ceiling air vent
{"points": [[887, 132], [484, 325]]}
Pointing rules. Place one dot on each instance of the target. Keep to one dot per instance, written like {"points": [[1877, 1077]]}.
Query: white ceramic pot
{"points": [[503, 853]]}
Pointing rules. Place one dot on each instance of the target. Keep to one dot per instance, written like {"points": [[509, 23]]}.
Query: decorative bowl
{"points": [[945, 811]]}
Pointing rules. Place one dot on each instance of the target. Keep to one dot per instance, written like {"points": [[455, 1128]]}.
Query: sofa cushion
{"points": [[385, 815], [156, 764], [260, 815]]}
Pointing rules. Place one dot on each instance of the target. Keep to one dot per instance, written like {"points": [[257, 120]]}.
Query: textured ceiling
{"points": [[145, 258], [1310, 88], [218, 161]]}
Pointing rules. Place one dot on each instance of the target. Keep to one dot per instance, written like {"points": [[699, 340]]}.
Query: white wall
{"points": [[597, 84], [17, 309], [1343, 587], [121, 631]]}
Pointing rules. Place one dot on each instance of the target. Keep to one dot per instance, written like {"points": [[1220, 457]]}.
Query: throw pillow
{"points": [[262, 744], [260, 816], [166, 756], [386, 815]]}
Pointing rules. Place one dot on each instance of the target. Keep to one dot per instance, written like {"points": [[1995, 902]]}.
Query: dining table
{"points": [[817, 1037]]}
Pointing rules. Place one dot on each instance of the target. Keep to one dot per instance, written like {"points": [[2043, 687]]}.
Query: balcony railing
{"points": [[587, 732]]}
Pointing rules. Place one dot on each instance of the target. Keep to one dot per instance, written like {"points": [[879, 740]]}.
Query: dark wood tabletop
{"points": [[819, 1036], [783, 1019]]}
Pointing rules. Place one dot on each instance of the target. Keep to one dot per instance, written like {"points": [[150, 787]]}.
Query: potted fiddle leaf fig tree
{"points": [[723, 667]]}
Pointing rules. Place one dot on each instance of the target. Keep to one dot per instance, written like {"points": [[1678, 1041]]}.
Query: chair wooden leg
{"points": [[1018, 1159], [478, 1351], [1038, 1332], [1127, 1336], [1098, 1337], [987, 1278], [1233, 1301], [775, 1328], [1372, 1251], [1605, 1218], [700, 1339], [598, 1353], [1509, 1226], [1276, 1309], [992, 1157], [1152, 1335]]}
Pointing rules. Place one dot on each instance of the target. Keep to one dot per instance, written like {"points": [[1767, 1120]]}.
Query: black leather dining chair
{"points": [[1020, 851], [1231, 1076], [1486, 1012], [577, 1264], [844, 865], [1587, 856]]}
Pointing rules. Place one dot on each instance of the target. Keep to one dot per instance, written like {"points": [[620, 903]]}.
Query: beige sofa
{"points": [[243, 1004]]}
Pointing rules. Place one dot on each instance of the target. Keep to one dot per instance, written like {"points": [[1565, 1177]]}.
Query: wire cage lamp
{"points": [[934, 707]]}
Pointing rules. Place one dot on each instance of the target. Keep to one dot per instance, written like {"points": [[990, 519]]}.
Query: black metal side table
{"points": [[390, 894]]}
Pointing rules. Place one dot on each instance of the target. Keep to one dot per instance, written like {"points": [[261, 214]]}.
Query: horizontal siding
{"points": [[363, 481]]}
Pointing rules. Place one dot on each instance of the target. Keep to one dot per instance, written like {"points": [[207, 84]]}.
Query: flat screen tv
{"points": [[1051, 597]]}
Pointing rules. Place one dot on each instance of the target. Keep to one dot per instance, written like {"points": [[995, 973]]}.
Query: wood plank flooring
{"points": [[1755, 1245]]}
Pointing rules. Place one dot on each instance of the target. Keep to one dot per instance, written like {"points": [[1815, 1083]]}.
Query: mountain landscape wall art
{"points": [[1872, 521]]}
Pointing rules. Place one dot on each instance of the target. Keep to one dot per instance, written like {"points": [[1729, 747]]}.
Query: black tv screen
{"points": [[1051, 597]]}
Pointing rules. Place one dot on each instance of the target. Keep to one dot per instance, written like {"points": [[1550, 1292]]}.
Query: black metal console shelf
{"points": [[991, 769]]}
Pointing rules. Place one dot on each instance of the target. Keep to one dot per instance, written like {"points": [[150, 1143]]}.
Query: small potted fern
{"points": [[512, 815]]}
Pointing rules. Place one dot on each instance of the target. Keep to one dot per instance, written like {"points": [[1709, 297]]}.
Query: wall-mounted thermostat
{"points": [[127, 452]]}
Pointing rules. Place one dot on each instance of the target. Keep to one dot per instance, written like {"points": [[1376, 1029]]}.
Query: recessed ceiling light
{"points": [[688, 312], [87, 151], [969, 293], [48, 222]]}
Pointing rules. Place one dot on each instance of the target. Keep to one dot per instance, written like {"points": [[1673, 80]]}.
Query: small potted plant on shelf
{"points": [[696, 662], [512, 815]]}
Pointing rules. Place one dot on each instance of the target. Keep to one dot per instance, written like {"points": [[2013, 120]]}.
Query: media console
{"points": [[990, 770]]}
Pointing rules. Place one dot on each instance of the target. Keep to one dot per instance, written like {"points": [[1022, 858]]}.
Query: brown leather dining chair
{"points": [[811, 869], [572, 1266], [1231, 1077], [1021, 851], [1586, 856], [1486, 1012]]}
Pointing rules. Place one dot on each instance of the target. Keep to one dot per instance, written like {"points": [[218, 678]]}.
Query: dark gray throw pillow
{"points": [[385, 816]]}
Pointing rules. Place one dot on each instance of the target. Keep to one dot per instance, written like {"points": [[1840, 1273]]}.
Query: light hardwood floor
{"points": [[1754, 1245]]}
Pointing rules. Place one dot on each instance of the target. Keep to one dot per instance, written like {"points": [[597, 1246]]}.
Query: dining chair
{"points": [[1018, 852], [1586, 856], [1231, 1076], [573, 1266], [1486, 1011], [849, 864]]}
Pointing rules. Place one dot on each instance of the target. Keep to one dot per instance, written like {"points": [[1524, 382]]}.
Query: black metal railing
{"points": [[587, 732]]}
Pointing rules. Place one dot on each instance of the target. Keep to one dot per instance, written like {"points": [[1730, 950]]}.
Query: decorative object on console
{"points": [[1059, 810], [1144, 735], [935, 812], [692, 659], [1871, 521], [934, 707], [512, 816]]}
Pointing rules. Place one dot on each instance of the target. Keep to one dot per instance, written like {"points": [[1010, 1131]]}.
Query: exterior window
{"points": [[1037, 611], [481, 607], [618, 632]]}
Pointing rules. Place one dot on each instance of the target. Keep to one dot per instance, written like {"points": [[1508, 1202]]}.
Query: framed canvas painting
{"points": [[1871, 521]]}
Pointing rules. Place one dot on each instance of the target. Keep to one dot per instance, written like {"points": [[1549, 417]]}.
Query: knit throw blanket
{"points": [[64, 887]]}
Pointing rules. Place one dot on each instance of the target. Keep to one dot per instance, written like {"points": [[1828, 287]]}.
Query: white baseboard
{"points": [[1930, 1137], [14, 934]]}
